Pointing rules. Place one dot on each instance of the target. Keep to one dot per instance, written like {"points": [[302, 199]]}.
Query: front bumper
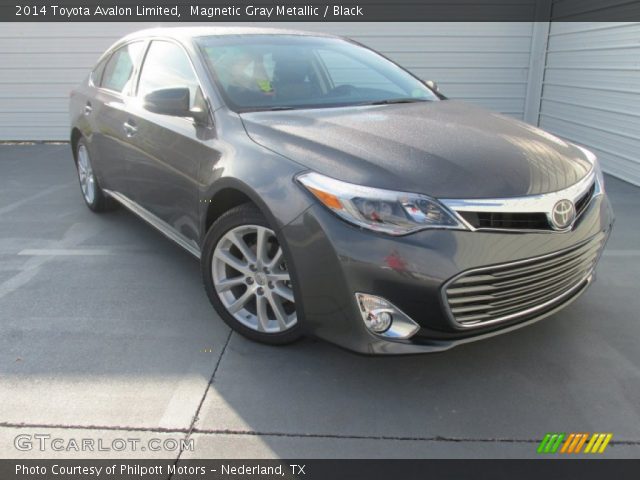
{"points": [[333, 259]]}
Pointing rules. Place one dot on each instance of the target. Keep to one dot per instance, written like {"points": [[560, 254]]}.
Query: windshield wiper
{"points": [[266, 109], [376, 102], [396, 100]]}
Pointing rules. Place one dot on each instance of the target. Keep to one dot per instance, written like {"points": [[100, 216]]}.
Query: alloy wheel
{"points": [[252, 281], [85, 173]]}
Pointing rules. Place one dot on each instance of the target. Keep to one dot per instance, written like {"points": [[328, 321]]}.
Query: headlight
{"points": [[593, 159], [395, 213]]}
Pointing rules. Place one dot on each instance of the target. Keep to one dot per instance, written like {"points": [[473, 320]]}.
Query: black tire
{"points": [[98, 201], [243, 215]]}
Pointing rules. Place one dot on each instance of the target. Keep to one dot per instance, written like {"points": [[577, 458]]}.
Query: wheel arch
{"points": [[76, 135], [230, 193]]}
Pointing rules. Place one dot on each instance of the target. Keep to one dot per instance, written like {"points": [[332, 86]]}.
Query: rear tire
{"points": [[245, 274], [93, 195]]}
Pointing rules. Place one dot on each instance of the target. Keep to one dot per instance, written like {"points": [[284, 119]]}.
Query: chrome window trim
{"points": [[105, 56], [90, 82], [127, 91], [542, 203], [160, 38]]}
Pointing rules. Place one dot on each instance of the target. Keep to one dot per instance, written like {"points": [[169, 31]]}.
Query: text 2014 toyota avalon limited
{"points": [[329, 192]]}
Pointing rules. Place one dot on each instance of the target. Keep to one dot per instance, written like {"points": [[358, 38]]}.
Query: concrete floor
{"points": [[106, 333]]}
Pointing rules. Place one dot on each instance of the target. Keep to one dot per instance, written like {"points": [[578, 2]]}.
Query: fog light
{"points": [[379, 320], [376, 312], [385, 319]]}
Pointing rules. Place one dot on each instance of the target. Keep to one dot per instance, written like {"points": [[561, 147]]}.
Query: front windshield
{"points": [[271, 72]]}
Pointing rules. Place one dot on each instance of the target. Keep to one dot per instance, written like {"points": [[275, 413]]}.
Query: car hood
{"points": [[445, 149]]}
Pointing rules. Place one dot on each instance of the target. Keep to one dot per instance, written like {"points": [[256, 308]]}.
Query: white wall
{"points": [[485, 63], [578, 80], [591, 91]]}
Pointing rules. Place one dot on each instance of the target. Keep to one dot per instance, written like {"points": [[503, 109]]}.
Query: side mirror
{"points": [[432, 85], [175, 102], [169, 101]]}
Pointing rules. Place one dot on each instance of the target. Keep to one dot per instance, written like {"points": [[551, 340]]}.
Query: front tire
{"points": [[93, 195], [246, 277]]}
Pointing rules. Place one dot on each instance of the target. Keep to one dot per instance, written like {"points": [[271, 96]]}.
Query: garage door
{"points": [[591, 91], [485, 63]]}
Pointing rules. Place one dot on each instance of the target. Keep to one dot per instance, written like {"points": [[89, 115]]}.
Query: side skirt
{"points": [[159, 224]]}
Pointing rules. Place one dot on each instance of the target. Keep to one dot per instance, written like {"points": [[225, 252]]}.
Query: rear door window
{"points": [[96, 74], [119, 69]]}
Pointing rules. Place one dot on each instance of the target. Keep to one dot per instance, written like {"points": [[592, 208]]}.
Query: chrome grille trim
{"points": [[542, 203], [499, 293]]}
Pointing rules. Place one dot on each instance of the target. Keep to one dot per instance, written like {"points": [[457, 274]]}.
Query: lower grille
{"points": [[520, 289]]}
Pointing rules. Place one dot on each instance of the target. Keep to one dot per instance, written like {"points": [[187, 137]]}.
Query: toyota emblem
{"points": [[563, 214]]}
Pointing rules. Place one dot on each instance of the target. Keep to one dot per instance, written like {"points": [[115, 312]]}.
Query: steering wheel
{"points": [[341, 91]]}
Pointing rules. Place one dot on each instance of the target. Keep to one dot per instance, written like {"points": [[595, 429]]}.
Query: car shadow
{"points": [[118, 333]]}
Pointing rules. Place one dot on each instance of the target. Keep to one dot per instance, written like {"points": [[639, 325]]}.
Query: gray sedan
{"points": [[329, 192]]}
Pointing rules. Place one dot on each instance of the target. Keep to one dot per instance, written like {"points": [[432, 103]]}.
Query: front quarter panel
{"points": [[266, 177]]}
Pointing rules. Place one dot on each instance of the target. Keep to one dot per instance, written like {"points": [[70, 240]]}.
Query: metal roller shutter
{"points": [[591, 91], [485, 63]]}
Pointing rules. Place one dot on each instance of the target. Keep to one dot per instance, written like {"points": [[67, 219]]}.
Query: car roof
{"points": [[184, 33]]}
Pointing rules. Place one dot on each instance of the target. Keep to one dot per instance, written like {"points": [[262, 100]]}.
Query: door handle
{"points": [[130, 128], [88, 108]]}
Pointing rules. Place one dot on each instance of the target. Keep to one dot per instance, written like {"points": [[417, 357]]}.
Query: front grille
{"points": [[504, 220], [520, 289], [583, 201], [520, 220]]}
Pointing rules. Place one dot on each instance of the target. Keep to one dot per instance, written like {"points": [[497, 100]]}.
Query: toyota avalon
{"points": [[329, 192]]}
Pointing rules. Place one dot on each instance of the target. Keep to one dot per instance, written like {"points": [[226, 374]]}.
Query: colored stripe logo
{"points": [[574, 443]]}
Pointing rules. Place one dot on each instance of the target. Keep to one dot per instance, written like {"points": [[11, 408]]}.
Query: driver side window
{"points": [[166, 65]]}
